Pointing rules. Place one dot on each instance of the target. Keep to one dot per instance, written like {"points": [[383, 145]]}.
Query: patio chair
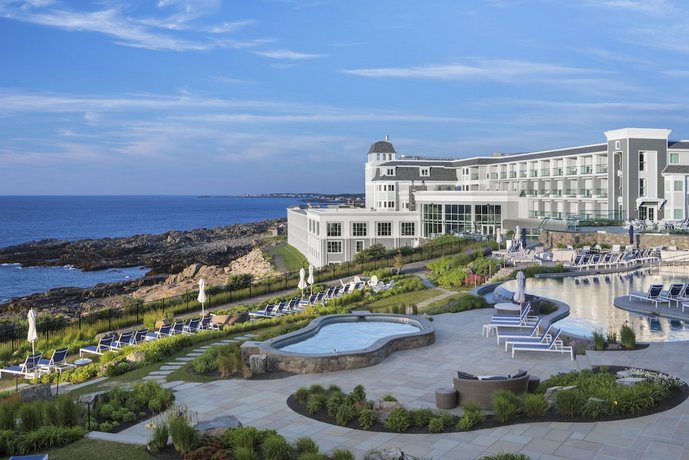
{"points": [[28, 369], [139, 336], [652, 295], [555, 345], [124, 340], [512, 334], [56, 363], [205, 322], [263, 313], [104, 344], [192, 327], [675, 293], [162, 331]]}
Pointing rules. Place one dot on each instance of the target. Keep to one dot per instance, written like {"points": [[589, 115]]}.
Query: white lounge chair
{"points": [[675, 293], [543, 338], [555, 345], [532, 331], [652, 295]]}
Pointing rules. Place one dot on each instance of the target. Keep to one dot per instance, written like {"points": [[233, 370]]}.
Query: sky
{"points": [[261, 96]]}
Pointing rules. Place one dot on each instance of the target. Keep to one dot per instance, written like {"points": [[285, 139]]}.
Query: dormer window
{"points": [[425, 172], [390, 172]]}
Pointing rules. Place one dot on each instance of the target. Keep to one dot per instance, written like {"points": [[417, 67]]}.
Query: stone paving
{"points": [[413, 375]]}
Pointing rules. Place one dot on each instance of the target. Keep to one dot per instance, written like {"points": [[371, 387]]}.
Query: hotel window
{"points": [[359, 229], [425, 172], [674, 158], [407, 229], [642, 187], [617, 145], [642, 161], [334, 247], [679, 214], [391, 172], [358, 246], [384, 228], [678, 186], [391, 204], [334, 228], [377, 156], [391, 188]]}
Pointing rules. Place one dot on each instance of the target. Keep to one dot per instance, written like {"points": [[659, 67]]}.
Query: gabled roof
{"points": [[678, 145], [676, 169]]}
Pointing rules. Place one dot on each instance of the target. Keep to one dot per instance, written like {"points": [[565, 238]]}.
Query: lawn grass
{"points": [[92, 448], [292, 259], [407, 298]]}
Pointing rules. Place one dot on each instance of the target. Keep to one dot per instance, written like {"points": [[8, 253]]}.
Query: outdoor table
{"points": [[508, 307], [83, 362]]}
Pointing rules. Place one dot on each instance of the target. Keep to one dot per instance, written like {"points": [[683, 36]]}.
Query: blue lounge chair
{"points": [[192, 327], [263, 313], [28, 369], [104, 344], [555, 345], [177, 328], [162, 331], [139, 336], [56, 363], [124, 340]]}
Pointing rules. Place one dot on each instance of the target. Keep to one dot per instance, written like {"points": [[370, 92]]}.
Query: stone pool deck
{"points": [[413, 375]]}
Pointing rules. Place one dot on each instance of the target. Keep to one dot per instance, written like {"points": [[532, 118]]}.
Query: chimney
{"points": [[387, 138]]}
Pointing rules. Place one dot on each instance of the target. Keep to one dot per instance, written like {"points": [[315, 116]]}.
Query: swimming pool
{"points": [[591, 303], [338, 342]]}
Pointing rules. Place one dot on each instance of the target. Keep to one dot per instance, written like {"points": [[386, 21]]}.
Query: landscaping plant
{"points": [[627, 337]]}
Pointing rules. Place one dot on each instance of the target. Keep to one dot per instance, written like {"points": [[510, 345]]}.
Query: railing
{"points": [[601, 169], [557, 171], [522, 173], [570, 192], [474, 176], [545, 172], [533, 173], [571, 170], [513, 174], [587, 169], [503, 175], [601, 192]]}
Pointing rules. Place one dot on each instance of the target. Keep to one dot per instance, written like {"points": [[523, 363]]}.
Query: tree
{"points": [[398, 262]]}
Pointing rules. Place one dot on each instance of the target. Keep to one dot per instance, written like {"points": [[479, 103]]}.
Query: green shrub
{"points": [[275, 447], [599, 341], [335, 400], [627, 337], [505, 406], [245, 453], [345, 414], [159, 436], [246, 437], [612, 337], [31, 415], [436, 425], [301, 395], [316, 388], [367, 418], [8, 416], [207, 361], [341, 454], [469, 420], [595, 408], [315, 402], [398, 420], [569, 402], [332, 388], [359, 393], [420, 417], [456, 304], [474, 407], [534, 405], [389, 397], [506, 456], [312, 456], [183, 434], [305, 445], [47, 437]]}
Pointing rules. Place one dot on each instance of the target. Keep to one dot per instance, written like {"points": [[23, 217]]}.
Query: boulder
{"points": [[39, 391], [388, 453], [551, 393], [629, 381], [136, 357]]}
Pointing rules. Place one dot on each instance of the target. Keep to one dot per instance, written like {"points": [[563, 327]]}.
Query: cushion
{"points": [[495, 377], [464, 375], [520, 373]]}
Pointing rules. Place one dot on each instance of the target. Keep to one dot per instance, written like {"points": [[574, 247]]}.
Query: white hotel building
{"points": [[636, 174]]}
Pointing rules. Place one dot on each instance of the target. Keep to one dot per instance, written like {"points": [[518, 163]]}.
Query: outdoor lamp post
{"points": [[89, 399]]}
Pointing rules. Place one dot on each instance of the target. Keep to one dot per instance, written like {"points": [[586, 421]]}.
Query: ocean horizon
{"points": [[74, 217]]}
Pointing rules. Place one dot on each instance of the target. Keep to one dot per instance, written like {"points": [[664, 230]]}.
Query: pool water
{"points": [[591, 303], [348, 336]]}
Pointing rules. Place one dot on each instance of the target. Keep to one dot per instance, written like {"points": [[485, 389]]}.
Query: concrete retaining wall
{"points": [[646, 240]]}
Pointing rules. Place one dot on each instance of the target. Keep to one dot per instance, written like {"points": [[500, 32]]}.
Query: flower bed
{"points": [[585, 396]]}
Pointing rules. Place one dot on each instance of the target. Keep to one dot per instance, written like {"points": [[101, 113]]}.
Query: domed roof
{"points": [[382, 147]]}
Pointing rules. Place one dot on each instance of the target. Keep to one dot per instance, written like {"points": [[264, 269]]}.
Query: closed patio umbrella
{"points": [[202, 296], [310, 278], [498, 238], [520, 294], [302, 280], [631, 234], [33, 333]]}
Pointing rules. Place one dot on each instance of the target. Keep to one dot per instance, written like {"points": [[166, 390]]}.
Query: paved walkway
{"points": [[413, 375]]}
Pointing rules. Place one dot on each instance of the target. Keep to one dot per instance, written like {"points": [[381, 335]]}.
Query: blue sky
{"points": [[219, 97]]}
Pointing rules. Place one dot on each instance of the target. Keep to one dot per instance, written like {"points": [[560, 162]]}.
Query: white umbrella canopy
{"points": [[498, 238], [310, 279], [33, 333], [202, 296], [302, 281], [520, 294]]}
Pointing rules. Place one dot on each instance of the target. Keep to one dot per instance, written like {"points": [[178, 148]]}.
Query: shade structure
{"points": [[520, 293], [302, 280], [33, 333], [310, 278], [202, 296]]}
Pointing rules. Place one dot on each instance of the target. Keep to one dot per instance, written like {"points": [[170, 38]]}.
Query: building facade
{"points": [[636, 174]]}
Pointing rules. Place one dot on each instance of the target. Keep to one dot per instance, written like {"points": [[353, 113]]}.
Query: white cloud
{"points": [[657, 7], [287, 54]]}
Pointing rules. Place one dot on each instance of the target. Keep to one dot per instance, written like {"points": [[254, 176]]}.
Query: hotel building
{"points": [[636, 174]]}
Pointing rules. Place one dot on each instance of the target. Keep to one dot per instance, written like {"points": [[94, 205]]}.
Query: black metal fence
{"points": [[13, 334]]}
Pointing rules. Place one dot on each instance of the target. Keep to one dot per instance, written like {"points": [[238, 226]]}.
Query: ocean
{"points": [[30, 218]]}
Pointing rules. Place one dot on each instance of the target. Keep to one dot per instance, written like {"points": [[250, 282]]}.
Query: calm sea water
{"points": [[29, 218]]}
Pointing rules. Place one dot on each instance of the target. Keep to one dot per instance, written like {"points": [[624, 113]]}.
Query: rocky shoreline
{"points": [[163, 254]]}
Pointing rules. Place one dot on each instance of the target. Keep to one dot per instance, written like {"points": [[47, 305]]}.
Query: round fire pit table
{"points": [[445, 398]]}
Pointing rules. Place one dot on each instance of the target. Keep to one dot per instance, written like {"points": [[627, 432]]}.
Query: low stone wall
{"points": [[277, 360], [646, 240]]}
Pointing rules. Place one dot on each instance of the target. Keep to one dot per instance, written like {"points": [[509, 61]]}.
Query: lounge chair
{"points": [[555, 345], [192, 327], [675, 293], [104, 344], [124, 340], [56, 363], [512, 334], [205, 322], [263, 313], [652, 295], [162, 331], [28, 369], [543, 338]]}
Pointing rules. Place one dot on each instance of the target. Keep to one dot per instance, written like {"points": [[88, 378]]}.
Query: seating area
{"points": [[481, 389], [587, 260], [654, 294]]}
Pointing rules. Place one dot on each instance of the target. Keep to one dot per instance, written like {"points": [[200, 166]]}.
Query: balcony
{"points": [[533, 173], [601, 193], [531, 193], [570, 193], [557, 171], [601, 169], [503, 175], [545, 172], [493, 175], [522, 173], [544, 193], [513, 174], [556, 193], [571, 170], [474, 176], [586, 169], [585, 193]]}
